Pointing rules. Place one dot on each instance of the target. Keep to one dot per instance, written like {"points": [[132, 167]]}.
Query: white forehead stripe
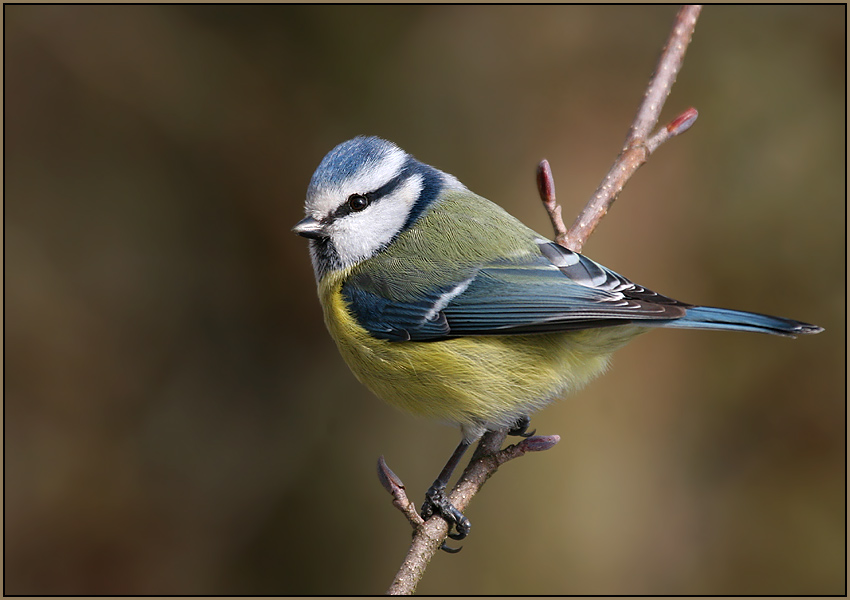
{"points": [[370, 177], [376, 173]]}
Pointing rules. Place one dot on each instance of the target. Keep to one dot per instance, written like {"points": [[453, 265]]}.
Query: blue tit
{"points": [[446, 306]]}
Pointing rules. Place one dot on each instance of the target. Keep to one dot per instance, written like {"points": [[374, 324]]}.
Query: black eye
{"points": [[357, 202]]}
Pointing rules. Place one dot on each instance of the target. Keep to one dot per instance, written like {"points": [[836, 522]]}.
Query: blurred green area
{"points": [[179, 422]]}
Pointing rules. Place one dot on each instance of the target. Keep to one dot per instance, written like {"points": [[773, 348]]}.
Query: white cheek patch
{"points": [[357, 236]]}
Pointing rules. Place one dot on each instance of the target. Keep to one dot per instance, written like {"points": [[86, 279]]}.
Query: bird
{"points": [[446, 306]]}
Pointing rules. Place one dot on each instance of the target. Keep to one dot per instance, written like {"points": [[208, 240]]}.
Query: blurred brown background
{"points": [[177, 418]]}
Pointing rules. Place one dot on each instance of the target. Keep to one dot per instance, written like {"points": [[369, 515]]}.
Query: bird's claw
{"points": [[521, 428], [449, 549], [436, 502]]}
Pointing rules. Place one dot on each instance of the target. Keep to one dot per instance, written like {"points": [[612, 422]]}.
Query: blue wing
{"points": [[556, 290]]}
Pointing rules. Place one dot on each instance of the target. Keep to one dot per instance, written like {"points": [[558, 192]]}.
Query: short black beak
{"points": [[309, 227]]}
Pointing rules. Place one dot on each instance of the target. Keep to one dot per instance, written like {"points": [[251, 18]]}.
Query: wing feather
{"points": [[556, 290]]}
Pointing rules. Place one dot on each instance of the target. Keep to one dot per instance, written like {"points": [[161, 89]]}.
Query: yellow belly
{"points": [[477, 382]]}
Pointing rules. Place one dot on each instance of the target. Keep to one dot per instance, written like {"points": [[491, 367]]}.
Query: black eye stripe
{"points": [[388, 188], [374, 196]]}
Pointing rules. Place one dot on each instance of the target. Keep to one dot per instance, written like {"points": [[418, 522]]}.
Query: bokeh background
{"points": [[177, 419]]}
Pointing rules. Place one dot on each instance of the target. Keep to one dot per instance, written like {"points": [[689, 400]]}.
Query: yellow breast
{"points": [[473, 381]]}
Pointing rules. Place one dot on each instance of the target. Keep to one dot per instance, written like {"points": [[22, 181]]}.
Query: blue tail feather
{"points": [[707, 317]]}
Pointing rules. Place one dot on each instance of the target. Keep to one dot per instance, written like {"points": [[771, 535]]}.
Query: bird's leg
{"points": [[436, 501], [521, 427]]}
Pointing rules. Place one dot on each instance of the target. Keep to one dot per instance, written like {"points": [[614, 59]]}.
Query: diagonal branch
{"points": [[639, 145], [429, 535]]}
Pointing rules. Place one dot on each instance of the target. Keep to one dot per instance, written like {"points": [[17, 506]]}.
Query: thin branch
{"points": [[669, 64], [678, 125], [485, 461], [429, 535], [636, 150], [546, 187], [394, 486]]}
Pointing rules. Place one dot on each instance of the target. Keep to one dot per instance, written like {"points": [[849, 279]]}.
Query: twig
{"points": [[429, 535], [546, 187], [638, 145], [394, 486]]}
